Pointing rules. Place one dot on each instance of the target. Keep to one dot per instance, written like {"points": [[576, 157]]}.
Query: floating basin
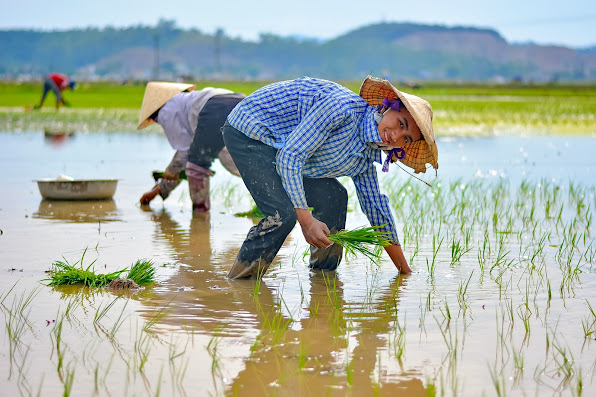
{"points": [[77, 189]]}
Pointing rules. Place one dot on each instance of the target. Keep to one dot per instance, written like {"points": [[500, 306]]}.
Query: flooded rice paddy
{"points": [[502, 300]]}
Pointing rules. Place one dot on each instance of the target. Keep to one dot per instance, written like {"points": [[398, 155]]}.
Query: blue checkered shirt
{"points": [[321, 130]]}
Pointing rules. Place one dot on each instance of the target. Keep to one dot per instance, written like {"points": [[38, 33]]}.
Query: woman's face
{"points": [[398, 128]]}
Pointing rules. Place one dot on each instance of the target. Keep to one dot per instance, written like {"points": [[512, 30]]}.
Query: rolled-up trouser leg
{"points": [[198, 185], [256, 164]]}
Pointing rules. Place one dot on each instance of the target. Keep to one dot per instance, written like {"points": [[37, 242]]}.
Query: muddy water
{"points": [[294, 333]]}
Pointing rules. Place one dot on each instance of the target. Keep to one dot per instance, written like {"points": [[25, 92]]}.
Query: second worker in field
{"points": [[192, 122]]}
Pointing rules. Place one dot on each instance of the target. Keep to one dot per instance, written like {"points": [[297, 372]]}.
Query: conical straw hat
{"points": [[418, 153], [157, 94]]}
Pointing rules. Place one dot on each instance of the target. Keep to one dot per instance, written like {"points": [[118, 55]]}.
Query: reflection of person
{"points": [[56, 82], [191, 121], [325, 345], [291, 140]]}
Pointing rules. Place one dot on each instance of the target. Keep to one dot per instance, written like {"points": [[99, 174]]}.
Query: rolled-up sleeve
{"points": [[314, 128], [177, 165], [374, 204]]}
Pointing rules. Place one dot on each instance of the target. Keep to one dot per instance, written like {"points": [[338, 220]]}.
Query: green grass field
{"points": [[466, 109]]}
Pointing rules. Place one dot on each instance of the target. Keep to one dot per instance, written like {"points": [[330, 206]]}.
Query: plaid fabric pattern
{"points": [[321, 130]]}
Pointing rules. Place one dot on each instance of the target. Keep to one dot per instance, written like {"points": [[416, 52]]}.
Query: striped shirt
{"points": [[321, 130]]}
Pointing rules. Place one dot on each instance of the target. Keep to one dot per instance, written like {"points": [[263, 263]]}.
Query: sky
{"points": [[570, 23]]}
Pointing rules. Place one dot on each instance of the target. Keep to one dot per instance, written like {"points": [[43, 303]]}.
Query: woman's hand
{"points": [[150, 195], [315, 232], [399, 260]]}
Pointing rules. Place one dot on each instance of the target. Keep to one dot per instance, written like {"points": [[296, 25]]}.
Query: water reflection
{"points": [[326, 344], [78, 211], [314, 353], [57, 137], [196, 282]]}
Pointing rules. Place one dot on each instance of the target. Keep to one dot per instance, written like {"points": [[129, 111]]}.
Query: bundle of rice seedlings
{"points": [[365, 240], [63, 273], [142, 272]]}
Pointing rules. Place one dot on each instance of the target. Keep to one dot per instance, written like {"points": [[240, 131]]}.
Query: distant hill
{"points": [[403, 51]]}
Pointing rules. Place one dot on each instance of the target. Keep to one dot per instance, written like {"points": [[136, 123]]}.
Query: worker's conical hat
{"points": [[418, 153], [157, 93]]}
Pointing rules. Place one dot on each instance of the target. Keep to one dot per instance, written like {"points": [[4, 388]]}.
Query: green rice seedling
{"points": [[332, 294], [589, 323], [580, 383], [16, 326], [212, 349], [414, 252], [63, 273], [57, 340], [422, 318], [302, 356], [101, 312], [447, 313], [313, 309], [118, 323], [349, 373], [142, 272], [501, 260], [357, 241], [399, 340], [4, 295], [499, 382], [431, 388], [178, 372], [509, 307], [524, 314], [461, 294], [252, 213], [68, 381], [142, 349], [431, 266], [277, 325], [157, 317], [256, 287], [564, 361], [518, 359], [71, 306], [457, 251]]}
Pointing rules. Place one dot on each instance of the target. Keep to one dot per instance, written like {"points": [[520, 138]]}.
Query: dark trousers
{"points": [[328, 198], [50, 85], [208, 142]]}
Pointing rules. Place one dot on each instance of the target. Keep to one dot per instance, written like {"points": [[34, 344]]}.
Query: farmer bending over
{"points": [[56, 83], [192, 122], [291, 140]]}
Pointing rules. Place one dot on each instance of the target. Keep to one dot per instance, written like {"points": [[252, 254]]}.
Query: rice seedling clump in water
{"points": [[63, 273], [365, 240]]}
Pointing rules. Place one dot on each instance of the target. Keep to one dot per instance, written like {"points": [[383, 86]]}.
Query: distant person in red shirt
{"points": [[56, 82]]}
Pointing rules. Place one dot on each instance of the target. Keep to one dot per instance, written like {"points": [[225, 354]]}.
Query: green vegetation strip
{"points": [[363, 240], [63, 273], [467, 109]]}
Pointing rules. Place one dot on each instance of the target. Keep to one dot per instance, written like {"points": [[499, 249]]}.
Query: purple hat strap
{"points": [[397, 152], [391, 103]]}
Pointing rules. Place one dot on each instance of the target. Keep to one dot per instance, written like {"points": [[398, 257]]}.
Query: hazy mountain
{"points": [[400, 50]]}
